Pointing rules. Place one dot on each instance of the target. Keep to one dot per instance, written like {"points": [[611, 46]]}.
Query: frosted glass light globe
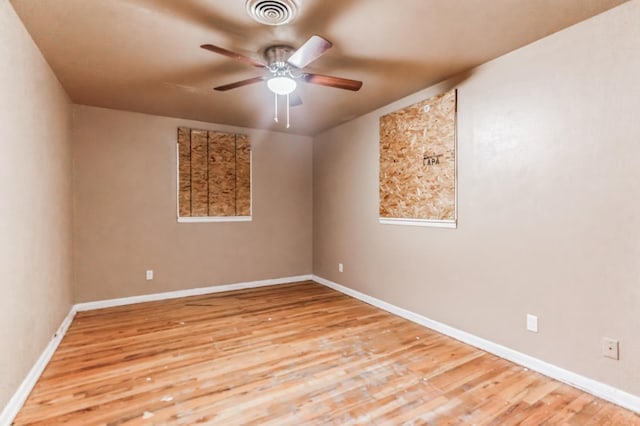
{"points": [[281, 85]]}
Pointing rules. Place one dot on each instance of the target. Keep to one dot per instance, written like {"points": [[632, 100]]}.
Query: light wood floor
{"points": [[291, 354]]}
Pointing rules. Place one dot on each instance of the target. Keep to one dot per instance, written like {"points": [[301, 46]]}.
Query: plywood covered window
{"points": [[214, 176], [418, 164]]}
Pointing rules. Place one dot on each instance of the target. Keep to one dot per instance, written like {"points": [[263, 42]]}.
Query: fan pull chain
{"points": [[275, 117], [288, 106]]}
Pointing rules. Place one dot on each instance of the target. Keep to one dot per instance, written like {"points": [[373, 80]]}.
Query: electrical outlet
{"points": [[340, 267], [532, 323], [610, 348], [149, 275]]}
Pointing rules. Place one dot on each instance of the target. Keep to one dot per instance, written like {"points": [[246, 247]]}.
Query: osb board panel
{"points": [[243, 176], [184, 172], [199, 174], [214, 173], [222, 174], [418, 160]]}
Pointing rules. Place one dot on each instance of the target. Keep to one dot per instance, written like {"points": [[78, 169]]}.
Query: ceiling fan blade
{"points": [[240, 83], [294, 99], [337, 82], [311, 50], [238, 57]]}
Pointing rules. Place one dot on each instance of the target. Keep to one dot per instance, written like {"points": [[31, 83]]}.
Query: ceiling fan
{"points": [[285, 67]]}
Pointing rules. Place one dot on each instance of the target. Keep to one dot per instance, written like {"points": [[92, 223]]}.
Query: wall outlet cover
{"points": [[149, 275], [532, 323], [610, 348]]}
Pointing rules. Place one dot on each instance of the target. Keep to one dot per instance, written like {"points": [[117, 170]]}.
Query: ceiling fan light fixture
{"points": [[281, 85]]}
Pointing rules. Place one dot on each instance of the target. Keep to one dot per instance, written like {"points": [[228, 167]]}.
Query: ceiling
{"points": [[144, 55]]}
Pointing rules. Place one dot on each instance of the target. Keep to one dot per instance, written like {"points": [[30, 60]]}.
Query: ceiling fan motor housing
{"points": [[278, 55]]}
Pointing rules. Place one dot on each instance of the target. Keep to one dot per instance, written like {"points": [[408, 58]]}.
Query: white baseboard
{"points": [[109, 303], [599, 389], [20, 396]]}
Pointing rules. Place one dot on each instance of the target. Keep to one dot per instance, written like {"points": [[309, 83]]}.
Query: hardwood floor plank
{"points": [[287, 355]]}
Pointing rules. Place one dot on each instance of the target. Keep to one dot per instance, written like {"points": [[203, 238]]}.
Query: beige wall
{"points": [[549, 206], [125, 210], [35, 189]]}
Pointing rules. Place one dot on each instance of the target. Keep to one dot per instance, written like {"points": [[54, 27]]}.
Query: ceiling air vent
{"points": [[272, 12]]}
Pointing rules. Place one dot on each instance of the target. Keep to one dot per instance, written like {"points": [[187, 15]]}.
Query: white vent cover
{"points": [[272, 12]]}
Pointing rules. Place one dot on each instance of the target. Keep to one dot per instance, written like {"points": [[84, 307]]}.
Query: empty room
{"points": [[341, 212]]}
